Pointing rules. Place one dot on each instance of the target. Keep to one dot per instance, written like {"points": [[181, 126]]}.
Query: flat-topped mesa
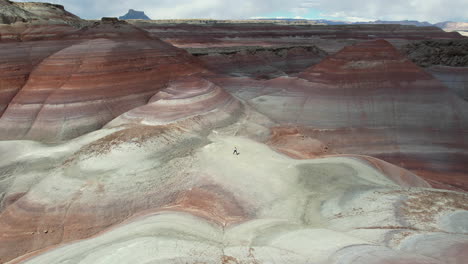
{"points": [[133, 14]]}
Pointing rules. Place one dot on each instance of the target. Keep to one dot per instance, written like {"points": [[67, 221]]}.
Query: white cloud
{"points": [[343, 16], [423, 10]]}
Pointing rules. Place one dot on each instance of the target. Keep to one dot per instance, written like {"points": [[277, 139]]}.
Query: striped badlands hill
{"points": [[368, 99], [60, 89], [359, 159]]}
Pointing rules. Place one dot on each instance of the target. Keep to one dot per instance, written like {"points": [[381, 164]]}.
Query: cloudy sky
{"points": [[352, 10]]}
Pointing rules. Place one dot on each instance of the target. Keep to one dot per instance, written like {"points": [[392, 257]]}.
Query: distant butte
{"points": [[133, 14]]}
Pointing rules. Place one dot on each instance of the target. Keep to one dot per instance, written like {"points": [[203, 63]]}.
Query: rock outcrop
{"points": [[11, 12]]}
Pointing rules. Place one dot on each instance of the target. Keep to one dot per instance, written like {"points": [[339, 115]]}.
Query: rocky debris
{"points": [[438, 52], [11, 13], [133, 14]]}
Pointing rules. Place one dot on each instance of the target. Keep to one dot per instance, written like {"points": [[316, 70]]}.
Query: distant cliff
{"points": [[133, 14]]}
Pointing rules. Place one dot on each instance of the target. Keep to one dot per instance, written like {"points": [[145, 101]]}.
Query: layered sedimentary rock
{"points": [[188, 33], [446, 60], [268, 50], [455, 78], [213, 206], [370, 89], [182, 98], [328, 38], [159, 134], [358, 159], [17, 60], [259, 62], [81, 87], [430, 154]]}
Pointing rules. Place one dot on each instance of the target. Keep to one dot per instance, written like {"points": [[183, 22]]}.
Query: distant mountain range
{"points": [[400, 22], [461, 27], [133, 14]]}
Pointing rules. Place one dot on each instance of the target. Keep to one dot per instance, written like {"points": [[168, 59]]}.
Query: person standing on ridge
{"points": [[235, 151]]}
